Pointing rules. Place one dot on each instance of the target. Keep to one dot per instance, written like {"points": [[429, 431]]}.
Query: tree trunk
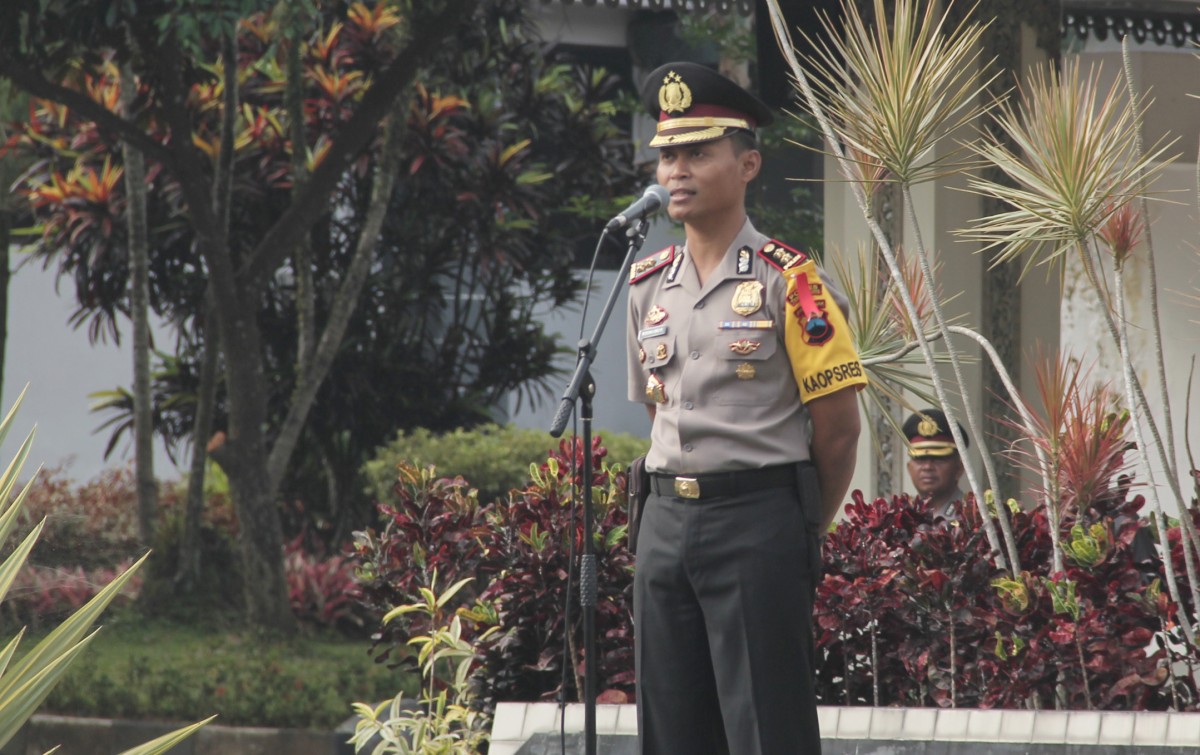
{"points": [[5, 277], [244, 459], [187, 570], [306, 300], [139, 312]]}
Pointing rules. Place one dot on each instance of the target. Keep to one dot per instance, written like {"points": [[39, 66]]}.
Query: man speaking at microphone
{"points": [[741, 354]]}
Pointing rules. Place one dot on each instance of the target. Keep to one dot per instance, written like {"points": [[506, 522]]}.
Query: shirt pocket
{"points": [[747, 368], [659, 351]]}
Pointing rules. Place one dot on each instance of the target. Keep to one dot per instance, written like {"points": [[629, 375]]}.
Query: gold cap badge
{"points": [[928, 427], [674, 96]]}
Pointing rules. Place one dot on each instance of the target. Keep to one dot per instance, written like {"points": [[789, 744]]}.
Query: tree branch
{"points": [[310, 202], [85, 107]]}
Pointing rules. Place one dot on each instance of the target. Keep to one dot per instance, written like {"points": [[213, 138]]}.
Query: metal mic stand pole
{"points": [[583, 387]]}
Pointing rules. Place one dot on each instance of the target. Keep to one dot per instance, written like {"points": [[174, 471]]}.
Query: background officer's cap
{"points": [[928, 434], [695, 104]]}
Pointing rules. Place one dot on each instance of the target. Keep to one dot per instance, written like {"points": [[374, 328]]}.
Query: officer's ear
{"points": [[751, 164]]}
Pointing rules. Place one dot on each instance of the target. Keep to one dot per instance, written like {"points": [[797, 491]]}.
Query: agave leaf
{"points": [[9, 479], [10, 516], [66, 635], [6, 423], [7, 654], [19, 701], [167, 741], [12, 565]]}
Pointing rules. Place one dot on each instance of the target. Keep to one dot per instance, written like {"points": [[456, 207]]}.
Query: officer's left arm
{"points": [[835, 429]]}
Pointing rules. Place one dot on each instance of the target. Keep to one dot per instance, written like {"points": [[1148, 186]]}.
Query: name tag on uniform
{"points": [[746, 325], [661, 330]]}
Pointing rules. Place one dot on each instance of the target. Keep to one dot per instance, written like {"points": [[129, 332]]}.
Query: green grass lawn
{"points": [[154, 669]]}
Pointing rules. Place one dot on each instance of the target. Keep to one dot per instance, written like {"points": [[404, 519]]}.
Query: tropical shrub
{"points": [[523, 551], [89, 525], [445, 719], [494, 458], [913, 610], [42, 594], [321, 587]]}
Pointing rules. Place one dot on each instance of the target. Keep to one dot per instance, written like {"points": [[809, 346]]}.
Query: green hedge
{"points": [[492, 458]]}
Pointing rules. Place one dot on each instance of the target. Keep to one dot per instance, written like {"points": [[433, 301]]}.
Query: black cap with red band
{"points": [[928, 434], [696, 104]]}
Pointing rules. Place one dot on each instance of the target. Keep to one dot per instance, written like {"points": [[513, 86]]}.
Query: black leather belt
{"points": [[723, 484]]}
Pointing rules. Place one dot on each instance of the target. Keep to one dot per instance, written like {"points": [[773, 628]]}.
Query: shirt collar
{"points": [[748, 237]]}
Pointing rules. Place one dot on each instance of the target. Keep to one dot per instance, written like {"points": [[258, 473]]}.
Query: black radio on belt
{"points": [[637, 484]]}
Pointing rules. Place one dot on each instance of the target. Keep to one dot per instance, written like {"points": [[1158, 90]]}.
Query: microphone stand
{"points": [[583, 388]]}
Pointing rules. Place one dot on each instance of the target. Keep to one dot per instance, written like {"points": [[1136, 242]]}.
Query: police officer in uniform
{"points": [[743, 359], [934, 464]]}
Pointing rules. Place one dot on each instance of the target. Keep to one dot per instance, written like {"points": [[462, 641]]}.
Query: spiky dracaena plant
{"points": [[884, 336], [26, 683], [886, 95], [1073, 172]]}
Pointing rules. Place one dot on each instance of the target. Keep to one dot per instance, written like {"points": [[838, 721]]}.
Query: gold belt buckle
{"points": [[687, 487]]}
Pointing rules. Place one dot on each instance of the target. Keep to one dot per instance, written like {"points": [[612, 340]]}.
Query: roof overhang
{"points": [[744, 7], [1162, 22]]}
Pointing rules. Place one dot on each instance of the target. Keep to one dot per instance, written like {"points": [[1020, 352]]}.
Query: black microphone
{"points": [[654, 197]]}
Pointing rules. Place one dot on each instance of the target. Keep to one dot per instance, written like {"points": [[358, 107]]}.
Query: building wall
{"points": [[61, 368]]}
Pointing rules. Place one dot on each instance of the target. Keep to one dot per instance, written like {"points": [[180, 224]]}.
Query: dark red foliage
{"points": [[911, 613], [520, 550]]}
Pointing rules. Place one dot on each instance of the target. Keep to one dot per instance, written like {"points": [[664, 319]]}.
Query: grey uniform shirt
{"points": [[730, 399]]}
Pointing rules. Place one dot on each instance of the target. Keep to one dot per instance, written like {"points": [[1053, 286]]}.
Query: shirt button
{"points": [[695, 355], [688, 447], [688, 405], [699, 305]]}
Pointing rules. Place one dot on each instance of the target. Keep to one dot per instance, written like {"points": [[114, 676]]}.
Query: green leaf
{"points": [[167, 741]]}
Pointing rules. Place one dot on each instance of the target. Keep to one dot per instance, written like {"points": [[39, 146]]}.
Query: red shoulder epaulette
{"points": [[781, 256], [644, 267]]}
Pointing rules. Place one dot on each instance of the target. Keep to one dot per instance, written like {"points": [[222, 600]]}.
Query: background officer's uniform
{"points": [[727, 560]]}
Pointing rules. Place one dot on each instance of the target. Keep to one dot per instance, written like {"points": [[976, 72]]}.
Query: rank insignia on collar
{"points": [[747, 298], [642, 269], [744, 260], [782, 257], [656, 315], [744, 346], [674, 271]]}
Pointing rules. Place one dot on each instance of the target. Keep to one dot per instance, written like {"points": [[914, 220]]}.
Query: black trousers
{"points": [[723, 624]]}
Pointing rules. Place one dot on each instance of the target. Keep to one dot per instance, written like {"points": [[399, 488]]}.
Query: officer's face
{"points": [[935, 476], [705, 179]]}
